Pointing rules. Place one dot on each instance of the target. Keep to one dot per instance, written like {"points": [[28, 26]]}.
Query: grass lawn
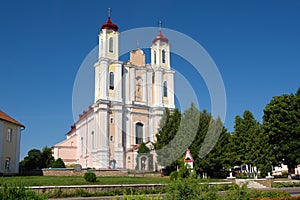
{"points": [[55, 181]]}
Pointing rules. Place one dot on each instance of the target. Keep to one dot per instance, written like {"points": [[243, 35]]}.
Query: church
{"points": [[129, 101]]}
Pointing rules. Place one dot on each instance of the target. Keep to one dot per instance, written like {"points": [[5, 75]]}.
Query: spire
{"points": [[160, 25], [109, 11], [108, 24], [160, 36]]}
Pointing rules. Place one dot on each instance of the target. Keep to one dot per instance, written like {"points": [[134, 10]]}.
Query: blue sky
{"points": [[255, 44]]}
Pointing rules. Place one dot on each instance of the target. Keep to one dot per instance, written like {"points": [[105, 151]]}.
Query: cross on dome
{"points": [[108, 24], [109, 11], [160, 36], [160, 25]]}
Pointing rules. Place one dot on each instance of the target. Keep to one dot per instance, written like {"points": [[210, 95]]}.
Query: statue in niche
{"points": [[139, 83]]}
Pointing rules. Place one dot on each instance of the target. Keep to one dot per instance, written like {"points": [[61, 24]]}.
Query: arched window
{"points": [[138, 133], [163, 56], [165, 89], [111, 45], [111, 80], [154, 57]]}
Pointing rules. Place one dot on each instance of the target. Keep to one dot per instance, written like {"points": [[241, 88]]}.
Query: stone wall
{"points": [[72, 172], [93, 188], [99, 173]]}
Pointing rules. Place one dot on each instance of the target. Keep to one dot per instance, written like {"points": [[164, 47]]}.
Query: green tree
{"points": [[59, 163], [281, 123], [37, 159], [46, 156], [168, 128], [143, 149], [249, 144], [33, 160], [213, 156], [206, 138]]}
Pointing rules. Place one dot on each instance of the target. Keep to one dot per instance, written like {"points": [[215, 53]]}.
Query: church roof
{"points": [[109, 25], [160, 37], [6, 117]]}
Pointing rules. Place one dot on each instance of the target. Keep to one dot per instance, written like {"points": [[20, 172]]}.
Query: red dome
{"points": [[109, 25], [160, 37]]}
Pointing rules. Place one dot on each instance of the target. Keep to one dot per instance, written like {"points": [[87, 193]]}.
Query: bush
{"points": [[244, 193], [59, 163], [174, 176], [12, 192], [184, 172], [90, 176], [285, 174], [190, 188]]}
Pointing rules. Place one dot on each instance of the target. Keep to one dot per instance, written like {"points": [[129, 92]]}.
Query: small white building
{"points": [[10, 137]]}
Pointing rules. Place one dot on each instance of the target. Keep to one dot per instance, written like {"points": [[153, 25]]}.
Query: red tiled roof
{"points": [[81, 116], [6, 117]]}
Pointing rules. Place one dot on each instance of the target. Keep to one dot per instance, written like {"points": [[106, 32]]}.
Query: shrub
{"points": [[244, 193], [59, 163], [174, 176], [90, 176], [285, 174], [12, 192], [184, 172], [190, 188]]}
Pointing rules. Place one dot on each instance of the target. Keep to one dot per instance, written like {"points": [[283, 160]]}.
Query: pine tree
{"points": [[281, 123]]}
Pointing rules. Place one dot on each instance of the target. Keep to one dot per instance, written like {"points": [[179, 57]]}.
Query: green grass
{"points": [[55, 181]]}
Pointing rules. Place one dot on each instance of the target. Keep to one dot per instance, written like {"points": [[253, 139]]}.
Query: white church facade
{"points": [[130, 98]]}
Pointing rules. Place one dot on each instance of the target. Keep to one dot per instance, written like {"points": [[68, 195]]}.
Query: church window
{"points": [[165, 89], [154, 57], [111, 45], [7, 164], [111, 80], [111, 138], [111, 120], [138, 133], [9, 135], [163, 58]]}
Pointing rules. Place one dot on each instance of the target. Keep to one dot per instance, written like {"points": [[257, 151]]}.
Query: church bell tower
{"points": [[108, 70], [163, 74]]}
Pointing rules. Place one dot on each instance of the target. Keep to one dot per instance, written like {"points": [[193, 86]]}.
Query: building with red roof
{"points": [[10, 137]]}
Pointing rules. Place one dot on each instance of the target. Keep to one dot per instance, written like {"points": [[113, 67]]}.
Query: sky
{"points": [[254, 44]]}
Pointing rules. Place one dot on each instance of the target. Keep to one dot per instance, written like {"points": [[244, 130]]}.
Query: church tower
{"points": [[163, 75], [108, 70], [108, 103]]}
